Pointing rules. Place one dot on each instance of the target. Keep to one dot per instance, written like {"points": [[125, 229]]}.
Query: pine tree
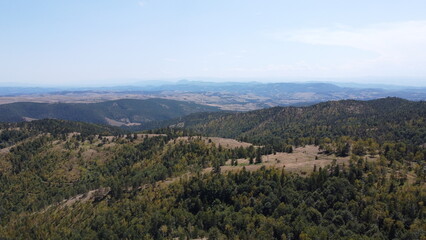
{"points": [[258, 157]]}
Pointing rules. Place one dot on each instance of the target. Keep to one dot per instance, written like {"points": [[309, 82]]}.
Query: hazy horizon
{"points": [[95, 43], [360, 82]]}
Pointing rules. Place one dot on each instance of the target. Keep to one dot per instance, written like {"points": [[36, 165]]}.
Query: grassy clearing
{"points": [[303, 160], [224, 142]]}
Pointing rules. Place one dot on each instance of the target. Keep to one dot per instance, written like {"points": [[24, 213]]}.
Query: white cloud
{"points": [[400, 46], [141, 3]]}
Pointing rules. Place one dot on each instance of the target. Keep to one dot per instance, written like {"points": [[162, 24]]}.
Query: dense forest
{"points": [[71, 180], [359, 202], [122, 111], [388, 119]]}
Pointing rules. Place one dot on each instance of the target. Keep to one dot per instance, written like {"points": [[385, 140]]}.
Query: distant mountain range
{"points": [[126, 112], [235, 96]]}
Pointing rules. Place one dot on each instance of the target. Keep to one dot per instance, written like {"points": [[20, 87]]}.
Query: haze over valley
{"points": [[233, 96]]}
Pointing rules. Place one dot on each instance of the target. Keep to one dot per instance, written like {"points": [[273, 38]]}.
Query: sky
{"points": [[76, 42]]}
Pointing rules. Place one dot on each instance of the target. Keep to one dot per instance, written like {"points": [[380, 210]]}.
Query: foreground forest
{"points": [[67, 180]]}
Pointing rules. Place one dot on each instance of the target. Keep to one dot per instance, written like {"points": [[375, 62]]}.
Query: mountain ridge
{"points": [[115, 112], [324, 119]]}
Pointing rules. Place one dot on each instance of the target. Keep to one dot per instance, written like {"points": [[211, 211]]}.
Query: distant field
{"points": [[223, 101], [227, 96]]}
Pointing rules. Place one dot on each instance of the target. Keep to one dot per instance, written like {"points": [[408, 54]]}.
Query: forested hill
{"points": [[383, 119], [11, 133], [117, 112], [66, 180]]}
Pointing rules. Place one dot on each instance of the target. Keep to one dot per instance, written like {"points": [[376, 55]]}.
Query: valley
{"points": [[229, 96]]}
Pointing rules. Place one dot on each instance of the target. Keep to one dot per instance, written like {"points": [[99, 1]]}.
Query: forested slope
{"points": [[388, 119], [123, 111], [11, 133], [66, 180], [358, 203]]}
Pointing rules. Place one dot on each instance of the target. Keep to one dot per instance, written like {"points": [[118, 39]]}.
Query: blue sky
{"points": [[75, 42]]}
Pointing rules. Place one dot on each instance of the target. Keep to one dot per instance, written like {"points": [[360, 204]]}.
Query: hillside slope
{"points": [[65, 180], [12, 133], [116, 113], [384, 119]]}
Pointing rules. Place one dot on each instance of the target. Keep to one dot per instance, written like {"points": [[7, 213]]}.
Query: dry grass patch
{"points": [[224, 142], [301, 161], [5, 150]]}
